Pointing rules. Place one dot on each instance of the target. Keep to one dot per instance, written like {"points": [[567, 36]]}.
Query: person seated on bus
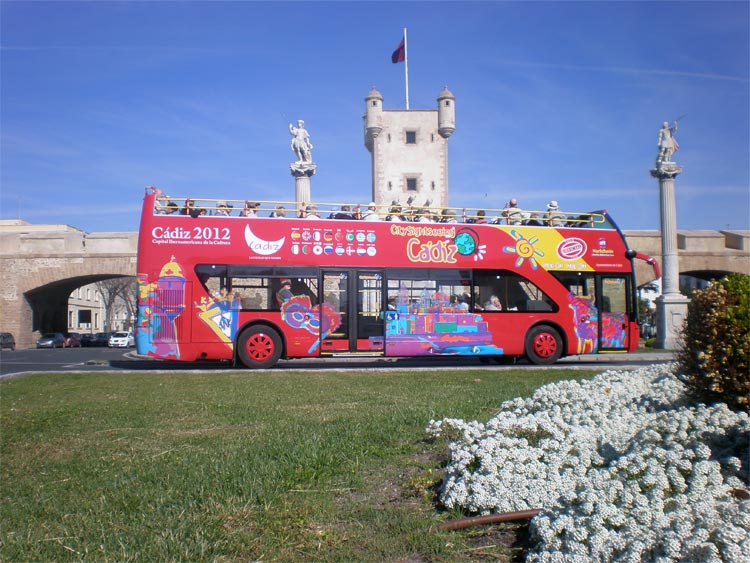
{"points": [[223, 209], [448, 216], [554, 217], [311, 212], [198, 212], [284, 293], [511, 213], [480, 219], [344, 213], [250, 209], [371, 213], [493, 304], [423, 215], [395, 213], [189, 206], [457, 302], [534, 220], [279, 212]]}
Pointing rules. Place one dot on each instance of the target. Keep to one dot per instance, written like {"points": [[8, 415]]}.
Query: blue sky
{"points": [[554, 100]]}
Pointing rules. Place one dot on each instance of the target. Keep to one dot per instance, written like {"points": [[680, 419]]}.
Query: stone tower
{"points": [[409, 150]]}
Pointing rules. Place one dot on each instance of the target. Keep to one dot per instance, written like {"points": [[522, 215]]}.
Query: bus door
{"points": [[614, 305], [357, 298]]}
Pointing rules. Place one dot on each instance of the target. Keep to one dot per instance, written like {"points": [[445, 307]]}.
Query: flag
{"points": [[399, 55]]}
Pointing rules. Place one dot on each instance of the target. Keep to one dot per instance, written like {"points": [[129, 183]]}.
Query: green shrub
{"points": [[716, 338]]}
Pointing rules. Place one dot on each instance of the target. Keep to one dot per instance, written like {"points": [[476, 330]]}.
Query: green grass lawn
{"points": [[320, 466]]}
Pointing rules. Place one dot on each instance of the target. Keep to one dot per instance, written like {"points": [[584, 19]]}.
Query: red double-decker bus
{"points": [[256, 289]]}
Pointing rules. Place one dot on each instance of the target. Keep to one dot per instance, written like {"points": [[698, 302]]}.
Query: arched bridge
{"points": [[43, 264]]}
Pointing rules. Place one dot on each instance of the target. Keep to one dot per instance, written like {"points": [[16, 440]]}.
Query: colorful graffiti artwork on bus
{"points": [[319, 320], [585, 319], [614, 331], [161, 302], [432, 325], [221, 313]]}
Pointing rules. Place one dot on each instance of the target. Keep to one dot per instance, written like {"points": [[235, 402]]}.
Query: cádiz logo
{"points": [[571, 248], [260, 246]]}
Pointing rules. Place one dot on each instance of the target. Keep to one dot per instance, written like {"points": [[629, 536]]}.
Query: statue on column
{"points": [[667, 144], [301, 142]]}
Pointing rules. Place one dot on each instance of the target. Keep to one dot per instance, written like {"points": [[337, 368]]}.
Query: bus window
{"points": [[426, 290], [213, 278], [514, 292], [580, 284]]}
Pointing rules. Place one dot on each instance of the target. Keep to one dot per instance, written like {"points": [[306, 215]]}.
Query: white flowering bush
{"points": [[624, 468]]}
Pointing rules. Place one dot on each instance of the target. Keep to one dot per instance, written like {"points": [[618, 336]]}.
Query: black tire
{"points": [[543, 345], [259, 347]]}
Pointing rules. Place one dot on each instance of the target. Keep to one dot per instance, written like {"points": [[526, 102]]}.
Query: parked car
{"points": [[122, 340], [7, 341], [102, 338], [73, 340], [88, 339], [51, 340]]}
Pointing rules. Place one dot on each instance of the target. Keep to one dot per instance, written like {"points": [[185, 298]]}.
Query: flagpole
{"points": [[406, 68]]}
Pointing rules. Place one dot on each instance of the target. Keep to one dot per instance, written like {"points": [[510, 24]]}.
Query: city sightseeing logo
{"points": [[261, 246]]}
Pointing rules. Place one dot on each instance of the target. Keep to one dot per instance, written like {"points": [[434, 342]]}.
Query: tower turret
{"points": [[446, 113], [373, 117]]}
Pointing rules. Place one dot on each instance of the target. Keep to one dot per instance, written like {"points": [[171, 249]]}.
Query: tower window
{"points": [[447, 103], [411, 184], [374, 103], [411, 137]]}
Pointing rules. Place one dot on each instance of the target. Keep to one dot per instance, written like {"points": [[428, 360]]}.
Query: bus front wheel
{"points": [[543, 345], [259, 347]]}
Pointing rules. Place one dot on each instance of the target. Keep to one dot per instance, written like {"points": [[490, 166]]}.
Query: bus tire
{"points": [[259, 347], [543, 345]]}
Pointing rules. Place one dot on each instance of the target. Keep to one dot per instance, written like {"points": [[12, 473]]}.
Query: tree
{"points": [[112, 290]]}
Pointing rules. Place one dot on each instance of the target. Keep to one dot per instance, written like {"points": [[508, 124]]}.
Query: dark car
{"points": [[7, 341], [51, 340], [87, 340], [102, 338], [73, 340]]}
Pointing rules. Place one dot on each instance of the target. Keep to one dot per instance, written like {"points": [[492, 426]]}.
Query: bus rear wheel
{"points": [[543, 345], [259, 347]]}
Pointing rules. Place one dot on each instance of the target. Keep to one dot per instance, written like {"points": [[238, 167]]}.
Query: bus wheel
{"points": [[259, 347], [543, 345]]}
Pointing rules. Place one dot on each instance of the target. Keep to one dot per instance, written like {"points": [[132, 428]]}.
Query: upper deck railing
{"points": [[410, 212]]}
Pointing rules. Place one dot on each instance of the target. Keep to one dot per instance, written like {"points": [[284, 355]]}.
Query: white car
{"points": [[121, 340]]}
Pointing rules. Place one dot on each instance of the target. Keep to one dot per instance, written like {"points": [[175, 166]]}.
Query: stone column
{"points": [[671, 306], [302, 172]]}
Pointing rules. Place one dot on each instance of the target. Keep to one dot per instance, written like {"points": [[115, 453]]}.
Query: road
{"points": [[63, 360]]}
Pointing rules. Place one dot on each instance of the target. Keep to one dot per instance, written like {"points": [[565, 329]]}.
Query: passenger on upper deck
{"points": [[480, 218], [311, 212], [279, 212], [371, 213], [189, 206], [223, 209], [344, 213], [394, 213], [448, 216], [554, 217], [423, 216], [534, 220], [250, 209], [511, 213]]}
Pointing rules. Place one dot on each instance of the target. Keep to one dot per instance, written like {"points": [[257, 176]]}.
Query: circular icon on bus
{"points": [[465, 243]]}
